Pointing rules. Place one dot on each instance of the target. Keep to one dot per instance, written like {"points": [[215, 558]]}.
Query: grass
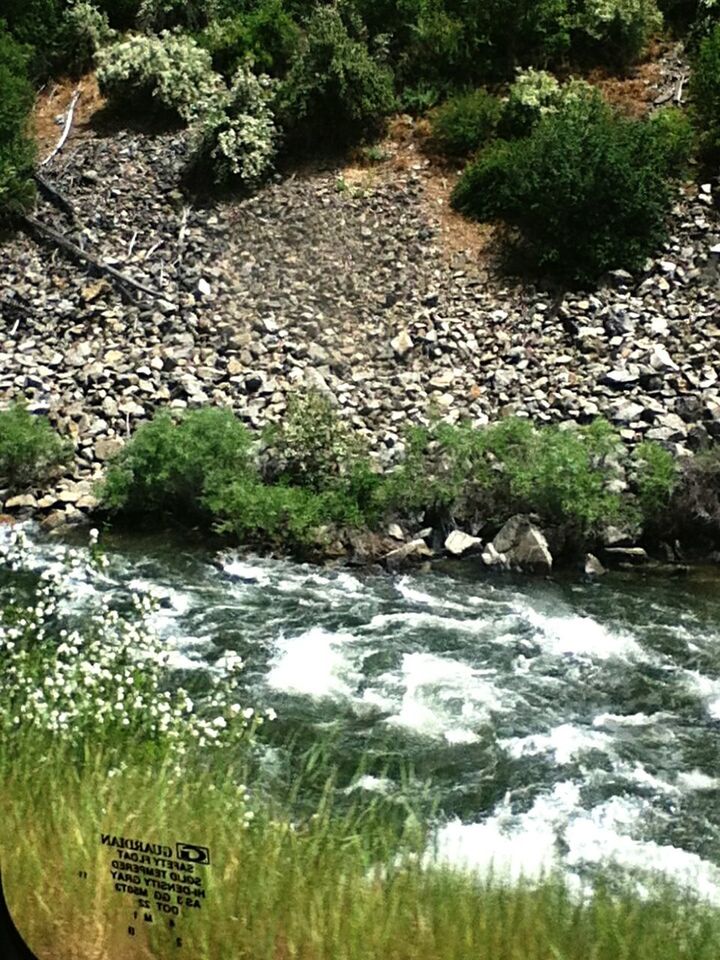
{"points": [[316, 892]]}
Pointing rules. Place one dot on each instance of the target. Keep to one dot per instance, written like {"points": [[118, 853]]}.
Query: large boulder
{"points": [[458, 543], [409, 553], [524, 545]]}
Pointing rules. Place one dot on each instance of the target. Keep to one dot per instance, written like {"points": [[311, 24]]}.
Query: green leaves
{"points": [[587, 191], [30, 449]]}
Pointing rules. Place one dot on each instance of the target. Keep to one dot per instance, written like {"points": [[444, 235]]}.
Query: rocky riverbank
{"points": [[341, 283]]}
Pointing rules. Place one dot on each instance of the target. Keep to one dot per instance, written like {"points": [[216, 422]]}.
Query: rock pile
{"points": [[314, 284]]}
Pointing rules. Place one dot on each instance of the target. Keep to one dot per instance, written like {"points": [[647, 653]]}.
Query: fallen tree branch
{"points": [[74, 251], [57, 199], [66, 129]]}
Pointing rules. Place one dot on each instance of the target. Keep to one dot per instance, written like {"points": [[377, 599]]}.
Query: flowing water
{"points": [[562, 723]]}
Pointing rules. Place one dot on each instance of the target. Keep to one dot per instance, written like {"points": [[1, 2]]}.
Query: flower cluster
{"points": [[237, 137], [170, 69], [102, 675]]}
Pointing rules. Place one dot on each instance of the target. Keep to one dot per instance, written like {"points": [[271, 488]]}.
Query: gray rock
{"points": [[524, 545], [593, 567], [411, 552], [458, 543], [402, 344], [626, 555], [22, 501], [491, 558]]}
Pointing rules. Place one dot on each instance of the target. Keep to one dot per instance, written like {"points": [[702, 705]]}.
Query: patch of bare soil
{"points": [[52, 105], [404, 151]]}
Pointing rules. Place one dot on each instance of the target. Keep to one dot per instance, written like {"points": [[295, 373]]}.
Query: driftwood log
{"points": [[72, 249]]}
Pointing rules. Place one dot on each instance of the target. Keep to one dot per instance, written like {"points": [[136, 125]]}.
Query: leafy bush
{"points": [[236, 138], [30, 450], [17, 152], [437, 46], [312, 447], [334, 91], [655, 478], [122, 14], [159, 15], [169, 75], [171, 465], [616, 30], [586, 192], [465, 122], [705, 92], [290, 516], [511, 467], [85, 29], [266, 35], [35, 23]]}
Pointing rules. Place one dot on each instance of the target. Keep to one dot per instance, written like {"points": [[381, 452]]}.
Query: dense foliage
{"points": [[309, 480], [170, 465], [335, 89], [85, 29], [236, 138], [17, 152], [167, 74], [465, 122], [266, 34], [705, 91], [30, 450], [588, 191]]}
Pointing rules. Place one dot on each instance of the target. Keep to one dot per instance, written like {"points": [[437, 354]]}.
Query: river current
{"points": [[562, 723]]}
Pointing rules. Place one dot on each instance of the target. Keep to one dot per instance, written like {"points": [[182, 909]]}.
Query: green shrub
{"points": [[465, 122], [35, 23], [312, 447], [169, 465], [335, 92], [533, 94], [586, 192], [85, 29], [705, 92], [614, 30], [656, 476], [159, 15], [168, 75], [280, 514], [266, 35], [438, 46], [30, 450], [17, 151], [235, 140], [122, 14]]}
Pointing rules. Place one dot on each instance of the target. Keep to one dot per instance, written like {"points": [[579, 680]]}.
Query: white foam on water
{"points": [[443, 698], [315, 664], [707, 689], [246, 572], [581, 636], [531, 845], [177, 660], [409, 592], [627, 720], [566, 741], [509, 846], [601, 837], [382, 785], [697, 780]]}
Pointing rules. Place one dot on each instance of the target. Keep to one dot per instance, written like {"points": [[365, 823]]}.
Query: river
{"points": [[562, 723]]}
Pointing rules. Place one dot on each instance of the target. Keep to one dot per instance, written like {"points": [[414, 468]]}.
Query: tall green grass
{"points": [[337, 885]]}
